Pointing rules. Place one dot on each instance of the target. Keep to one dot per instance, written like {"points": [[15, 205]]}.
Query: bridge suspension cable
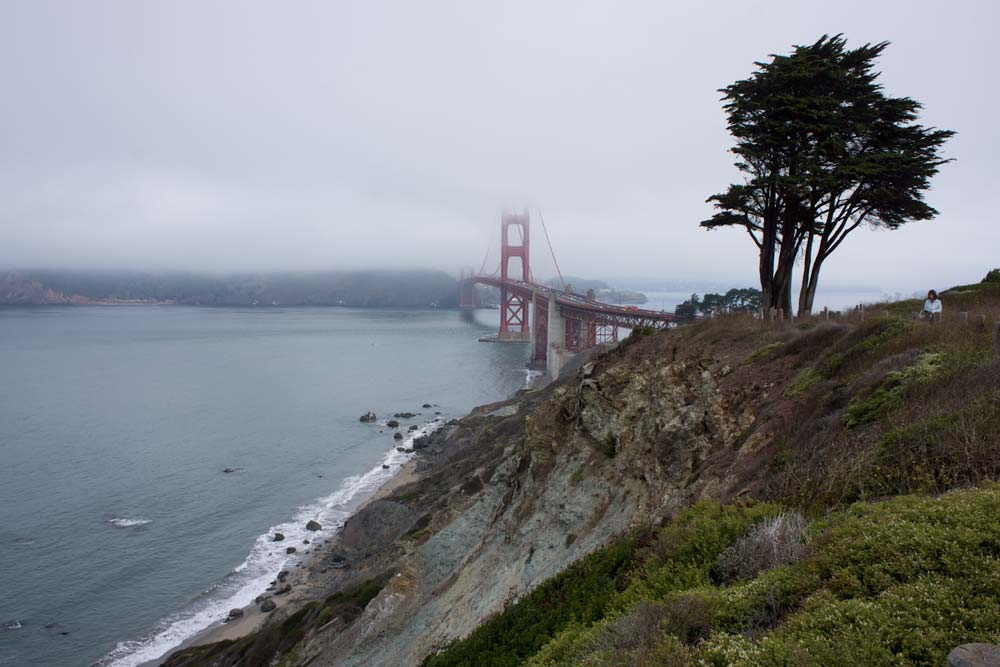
{"points": [[551, 251], [485, 257]]}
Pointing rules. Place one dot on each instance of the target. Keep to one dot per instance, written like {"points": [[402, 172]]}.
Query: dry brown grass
{"points": [[857, 409], [779, 540]]}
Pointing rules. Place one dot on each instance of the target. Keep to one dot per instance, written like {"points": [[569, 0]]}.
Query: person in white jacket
{"points": [[932, 307]]}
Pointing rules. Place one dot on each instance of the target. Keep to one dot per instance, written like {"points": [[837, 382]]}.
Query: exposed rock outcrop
{"points": [[510, 495]]}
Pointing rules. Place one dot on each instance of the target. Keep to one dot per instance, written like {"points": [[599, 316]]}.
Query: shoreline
{"points": [[300, 572], [253, 617]]}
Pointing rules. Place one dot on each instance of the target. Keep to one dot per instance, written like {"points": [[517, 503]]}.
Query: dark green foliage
{"points": [[806, 378], [362, 594], [823, 151], [579, 594], [610, 445], [893, 583], [745, 300], [763, 353], [867, 409], [992, 277], [684, 553]]}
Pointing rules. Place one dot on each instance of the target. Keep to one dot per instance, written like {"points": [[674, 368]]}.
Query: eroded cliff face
{"points": [[512, 494], [519, 490]]}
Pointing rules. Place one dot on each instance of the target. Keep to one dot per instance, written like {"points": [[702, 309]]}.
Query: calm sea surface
{"points": [[120, 534]]}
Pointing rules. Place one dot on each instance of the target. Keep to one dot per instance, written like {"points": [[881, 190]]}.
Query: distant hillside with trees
{"points": [[745, 300], [326, 288]]}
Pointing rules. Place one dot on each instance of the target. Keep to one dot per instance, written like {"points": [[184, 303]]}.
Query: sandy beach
{"points": [[299, 576]]}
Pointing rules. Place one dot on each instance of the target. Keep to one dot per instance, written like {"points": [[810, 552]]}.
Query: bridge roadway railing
{"points": [[576, 306]]}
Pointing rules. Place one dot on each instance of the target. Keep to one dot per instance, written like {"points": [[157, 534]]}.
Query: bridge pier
{"points": [[556, 352], [539, 328]]}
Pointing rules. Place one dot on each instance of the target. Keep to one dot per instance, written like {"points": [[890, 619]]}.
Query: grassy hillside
{"points": [[868, 532]]}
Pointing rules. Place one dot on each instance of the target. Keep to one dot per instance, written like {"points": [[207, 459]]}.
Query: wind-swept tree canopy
{"points": [[823, 151]]}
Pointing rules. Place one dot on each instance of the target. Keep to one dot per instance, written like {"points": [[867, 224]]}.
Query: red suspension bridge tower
{"points": [[514, 244]]}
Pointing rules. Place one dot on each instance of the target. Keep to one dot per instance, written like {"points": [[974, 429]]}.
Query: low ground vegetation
{"points": [[874, 538], [897, 582]]}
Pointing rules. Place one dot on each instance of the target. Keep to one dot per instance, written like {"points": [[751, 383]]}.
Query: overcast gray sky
{"points": [[250, 135]]}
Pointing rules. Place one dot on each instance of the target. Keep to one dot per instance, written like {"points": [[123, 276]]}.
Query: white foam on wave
{"points": [[266, 559], [13, 625], [529, 376], [128, 523]]}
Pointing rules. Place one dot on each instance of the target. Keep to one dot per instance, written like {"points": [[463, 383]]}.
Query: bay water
{"points": [[121, 534]]}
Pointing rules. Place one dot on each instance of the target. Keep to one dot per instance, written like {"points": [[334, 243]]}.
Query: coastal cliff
{"points": [[799, 420]]}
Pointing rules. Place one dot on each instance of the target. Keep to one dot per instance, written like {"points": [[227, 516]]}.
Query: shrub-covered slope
{"points": [[898, 582], [811, 560]]}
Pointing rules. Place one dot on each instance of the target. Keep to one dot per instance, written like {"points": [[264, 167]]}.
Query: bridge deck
{"points": [[577, 306]]}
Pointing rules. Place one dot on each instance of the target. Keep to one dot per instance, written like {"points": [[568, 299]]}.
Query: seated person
{"points": [[932, 307]]}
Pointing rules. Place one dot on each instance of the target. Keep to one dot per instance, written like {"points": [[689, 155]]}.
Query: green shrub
{"points": [[806, 378], [873, 407], [579, 594], [889, 396], [324, 616], [763, 353], [894, 583], [684, 552]]}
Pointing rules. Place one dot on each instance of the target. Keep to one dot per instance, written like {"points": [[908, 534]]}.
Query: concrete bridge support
{"points": [[539, 329], [556, 352]]}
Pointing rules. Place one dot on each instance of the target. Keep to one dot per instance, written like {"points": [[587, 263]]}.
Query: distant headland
{"points": [[369, 288]]}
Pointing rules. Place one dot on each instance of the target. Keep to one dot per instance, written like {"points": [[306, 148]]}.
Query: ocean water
{"points": [[120, 533]]}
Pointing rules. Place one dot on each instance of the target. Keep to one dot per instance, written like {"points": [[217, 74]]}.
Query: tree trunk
{"points": [[805, 303], [809, 286], [766, 266]]}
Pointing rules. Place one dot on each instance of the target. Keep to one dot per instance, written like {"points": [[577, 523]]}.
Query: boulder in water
{"points": [[397, 436], [313, 525], [234, 613], [290, 550], [367, 417], [426, 405], [392, 423], [279, 537]]}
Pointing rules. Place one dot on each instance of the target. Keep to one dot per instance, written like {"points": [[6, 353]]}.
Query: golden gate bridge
{"points": [[560, 322]]}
